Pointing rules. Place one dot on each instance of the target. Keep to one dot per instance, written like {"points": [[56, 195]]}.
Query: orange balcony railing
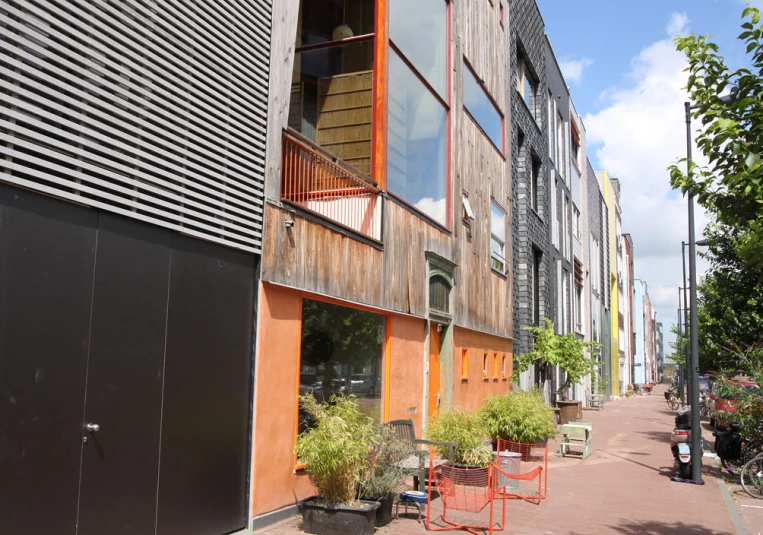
{"points": [[314, 181]]}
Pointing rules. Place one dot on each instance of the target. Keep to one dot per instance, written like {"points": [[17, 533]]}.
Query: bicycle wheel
{"points": [[752, 477], [751, 450], [673, 403]]}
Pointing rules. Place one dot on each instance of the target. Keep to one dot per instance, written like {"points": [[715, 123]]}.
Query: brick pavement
{"points": [[622, 488]]}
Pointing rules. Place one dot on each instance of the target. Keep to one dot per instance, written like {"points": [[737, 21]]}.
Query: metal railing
{"points": [[316, 181]]}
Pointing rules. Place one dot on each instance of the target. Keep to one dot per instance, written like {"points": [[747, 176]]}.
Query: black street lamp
{"points": [[693, 365]]}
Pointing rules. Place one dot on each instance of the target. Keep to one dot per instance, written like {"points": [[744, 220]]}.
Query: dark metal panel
{"points": [[205, 423], [46, 269], [120, 461]]}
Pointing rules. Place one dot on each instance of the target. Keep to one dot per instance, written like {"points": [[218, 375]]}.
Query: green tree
{"points": [[679, 345], [731, 134], [551, 349], [730, 310]]}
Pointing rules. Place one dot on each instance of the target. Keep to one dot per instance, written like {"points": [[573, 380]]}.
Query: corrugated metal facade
{"points": [[156, 110]]}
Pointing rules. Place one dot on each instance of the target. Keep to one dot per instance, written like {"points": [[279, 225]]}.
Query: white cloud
{"points": [[573, 69], [678, 25], [434, 208], [640, 131]]}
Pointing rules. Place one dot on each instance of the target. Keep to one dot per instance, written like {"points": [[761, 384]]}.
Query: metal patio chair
{"points": [[415, 462]]}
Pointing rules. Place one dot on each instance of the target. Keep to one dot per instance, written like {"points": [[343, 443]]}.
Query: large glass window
{"points": [[341, 354], [497, 237], [481, 109], [419, 30], [332, 82], [526, 85], [417, 117]]}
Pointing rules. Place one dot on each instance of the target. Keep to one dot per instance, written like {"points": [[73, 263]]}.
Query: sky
{"points": [[626, 79]]}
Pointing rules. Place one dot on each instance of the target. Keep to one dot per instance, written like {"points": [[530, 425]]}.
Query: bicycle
{"points": [[672, 401], [751, 476]]}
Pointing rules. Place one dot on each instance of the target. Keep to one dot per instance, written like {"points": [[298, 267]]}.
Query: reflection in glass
{"points": [[341, 354], [419, 29], [332, 100], [497, 237], [318, 21], [482, 109], [416, 142]]}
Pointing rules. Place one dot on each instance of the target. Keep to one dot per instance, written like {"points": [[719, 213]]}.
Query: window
{"points": [[327, 70], [534, 182], [553, 216], [576, 222], [439, 294], [333, 363], [574, 143], [559, 159], [566, 225], [482, 109], [418, 106], [551, 127], [535, 287], [495, 365], [503, 368], [484, 366], [497, 238], [525, 83], [464, 364]]}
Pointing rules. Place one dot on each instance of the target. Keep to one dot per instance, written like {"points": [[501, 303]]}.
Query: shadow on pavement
{"points": [[658, 436], [650, 527]]}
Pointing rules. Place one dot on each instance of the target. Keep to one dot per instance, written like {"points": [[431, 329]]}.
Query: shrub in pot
{"points": [[384, 476], [466, 429], [335, 453], [522, 417]]}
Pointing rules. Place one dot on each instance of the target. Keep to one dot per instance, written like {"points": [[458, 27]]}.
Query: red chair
{"points": [[530, 457], [469, 490]]}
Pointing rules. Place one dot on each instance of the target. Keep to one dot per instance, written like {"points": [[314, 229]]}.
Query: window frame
{"points": [[493, 237], [524, 78], [464, 363], [385, 362]]}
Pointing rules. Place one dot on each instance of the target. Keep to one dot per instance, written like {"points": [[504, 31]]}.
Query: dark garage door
{"points": [[142, 332]]}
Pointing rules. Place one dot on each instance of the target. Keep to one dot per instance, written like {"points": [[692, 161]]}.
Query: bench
{"points": [[576, 435], [595, 401]]}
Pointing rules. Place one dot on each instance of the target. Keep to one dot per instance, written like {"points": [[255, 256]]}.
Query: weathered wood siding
{"points": [[317, 259]]}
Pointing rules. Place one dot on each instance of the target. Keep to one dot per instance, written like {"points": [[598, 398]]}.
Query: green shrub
{"points": [[384, 475], [467, 430], [335, 450], [520, 417]]}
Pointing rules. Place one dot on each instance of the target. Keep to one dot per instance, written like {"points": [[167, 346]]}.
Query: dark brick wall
{"points": [[530, 229]]}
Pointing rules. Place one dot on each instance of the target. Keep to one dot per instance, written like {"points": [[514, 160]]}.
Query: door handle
{"points": [[93, 428]]}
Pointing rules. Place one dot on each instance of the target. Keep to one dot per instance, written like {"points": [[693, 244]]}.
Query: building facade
{"points": [[533, 280], [131, 225], [389, 256]]}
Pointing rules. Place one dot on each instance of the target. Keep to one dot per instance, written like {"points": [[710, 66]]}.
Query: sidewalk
{"points": [[623, 488]]}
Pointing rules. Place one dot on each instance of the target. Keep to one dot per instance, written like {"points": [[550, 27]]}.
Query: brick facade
{"points": [[530, 140]]}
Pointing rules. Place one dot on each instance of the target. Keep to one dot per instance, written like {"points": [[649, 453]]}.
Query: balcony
{"points": [[319, 183]]}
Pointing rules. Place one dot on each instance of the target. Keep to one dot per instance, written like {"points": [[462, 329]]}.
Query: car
{"points": [[722, 401], [364, 385]]}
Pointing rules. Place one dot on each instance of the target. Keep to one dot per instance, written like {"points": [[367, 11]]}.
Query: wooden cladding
{"points": [[439, 294], [344, 124], [578, 273]]}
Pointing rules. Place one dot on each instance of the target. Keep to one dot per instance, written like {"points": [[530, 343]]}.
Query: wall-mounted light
{"points": [[288, 223]]}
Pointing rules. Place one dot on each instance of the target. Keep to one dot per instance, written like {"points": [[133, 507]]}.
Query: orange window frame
{"points": [[495, 365], [484, 366], [503, 367], [464, 364], [386, 360]]}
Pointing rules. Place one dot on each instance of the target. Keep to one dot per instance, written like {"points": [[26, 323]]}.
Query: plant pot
{"points": [[568, 410], [464, 474], [321, 519], [384, 512]]}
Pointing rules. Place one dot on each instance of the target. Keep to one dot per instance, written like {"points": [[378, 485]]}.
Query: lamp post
{"points": [[693, 365], [687, 349]]}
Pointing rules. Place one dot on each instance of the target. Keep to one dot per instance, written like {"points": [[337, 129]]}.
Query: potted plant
{"points": [[522, 417], [567, 352], [384, 475], [335, 452], [466, 429]]}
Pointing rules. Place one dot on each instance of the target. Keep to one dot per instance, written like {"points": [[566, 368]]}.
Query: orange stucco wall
{"points": [[470, 393], [274, 483], [406, 382]]}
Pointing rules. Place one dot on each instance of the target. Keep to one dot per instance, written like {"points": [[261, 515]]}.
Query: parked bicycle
{"points": [[751, 476], [672, 400]]}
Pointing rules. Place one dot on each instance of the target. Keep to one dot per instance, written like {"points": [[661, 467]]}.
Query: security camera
{"points": [[288, 223]]}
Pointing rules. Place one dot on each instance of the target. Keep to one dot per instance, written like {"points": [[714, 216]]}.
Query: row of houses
{"points": [[208, 209]]}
